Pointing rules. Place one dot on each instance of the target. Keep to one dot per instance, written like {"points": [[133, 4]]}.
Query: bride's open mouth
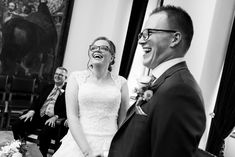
{"points": [[97, 55]]}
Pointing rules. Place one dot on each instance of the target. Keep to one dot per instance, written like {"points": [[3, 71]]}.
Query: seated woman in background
{"points": [[96, 104]]}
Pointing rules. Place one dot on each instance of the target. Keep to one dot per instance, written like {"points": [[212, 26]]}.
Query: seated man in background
{"points": [[49, 106]]}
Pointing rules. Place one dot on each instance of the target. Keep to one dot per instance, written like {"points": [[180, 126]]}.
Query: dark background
{"points": [[42, 51]]}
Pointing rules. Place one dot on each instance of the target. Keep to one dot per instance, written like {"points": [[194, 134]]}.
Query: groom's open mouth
{"points": [[147, 49]]}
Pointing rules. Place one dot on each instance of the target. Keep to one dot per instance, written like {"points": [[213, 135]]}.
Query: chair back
{"points": [[3, 94], [22, 89], [22, 84], [41, 84], [21, 96], [3, 82], [3, 86]]}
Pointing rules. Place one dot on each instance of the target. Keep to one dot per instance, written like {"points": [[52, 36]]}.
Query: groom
{"points": [[172, 122]]}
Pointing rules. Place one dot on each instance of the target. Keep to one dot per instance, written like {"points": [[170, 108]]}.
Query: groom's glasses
{"points": [[148, 32]]}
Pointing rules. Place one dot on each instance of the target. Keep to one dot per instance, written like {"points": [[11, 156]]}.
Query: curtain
{"points": [[135, 24], [224, 120], [64, 34]]}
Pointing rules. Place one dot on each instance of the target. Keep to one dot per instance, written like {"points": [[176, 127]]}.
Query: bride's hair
{"points": [[112, 51]]}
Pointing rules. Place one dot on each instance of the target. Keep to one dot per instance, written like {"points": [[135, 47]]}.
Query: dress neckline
{"points": [[89, 73]]}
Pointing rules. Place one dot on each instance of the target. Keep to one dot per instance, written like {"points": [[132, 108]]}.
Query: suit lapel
{"points": [[131, 112], [155, 86]]}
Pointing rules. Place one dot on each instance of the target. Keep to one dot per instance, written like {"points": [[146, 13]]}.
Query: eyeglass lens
{"points": [[60, 75], [144, 34], [147, 32], [97, 48]]}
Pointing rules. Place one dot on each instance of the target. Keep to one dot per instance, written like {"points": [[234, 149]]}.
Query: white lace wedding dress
{"points": [[98, 108]]}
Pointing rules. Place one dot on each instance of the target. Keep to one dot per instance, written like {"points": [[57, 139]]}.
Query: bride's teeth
{"points": [[96, 55]]}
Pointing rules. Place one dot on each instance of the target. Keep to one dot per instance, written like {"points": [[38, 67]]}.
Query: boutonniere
{"points": [[61, 91], [144, 91]]}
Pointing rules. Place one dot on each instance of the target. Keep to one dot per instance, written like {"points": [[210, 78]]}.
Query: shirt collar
{"points": [[161, 68], [60, 88], [55, 86]]}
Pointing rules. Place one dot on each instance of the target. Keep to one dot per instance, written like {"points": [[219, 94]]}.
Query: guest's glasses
{"points": [[95, 48], [58, 74], [148, 32]]}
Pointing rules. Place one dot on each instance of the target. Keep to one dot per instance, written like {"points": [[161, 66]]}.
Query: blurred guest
{"points": [[43, 114]]}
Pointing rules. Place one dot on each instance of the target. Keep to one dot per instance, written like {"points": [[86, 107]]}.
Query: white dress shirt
{"points": [[161, 68]]}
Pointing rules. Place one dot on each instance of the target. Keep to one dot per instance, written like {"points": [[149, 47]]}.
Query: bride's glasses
{"points": [[95, 48]]}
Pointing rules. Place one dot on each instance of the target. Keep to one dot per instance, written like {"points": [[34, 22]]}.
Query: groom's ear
{"points": [[177, 37]]}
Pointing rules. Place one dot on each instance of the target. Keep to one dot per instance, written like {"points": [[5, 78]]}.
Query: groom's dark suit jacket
{"points": [[174, 123]]}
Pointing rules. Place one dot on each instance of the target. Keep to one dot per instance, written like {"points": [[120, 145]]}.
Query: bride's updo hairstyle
{"points": [[112, 51]]}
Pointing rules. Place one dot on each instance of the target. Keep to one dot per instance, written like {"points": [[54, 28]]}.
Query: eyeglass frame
{"points": [[151, 30], [99, 48], [60, 75]]}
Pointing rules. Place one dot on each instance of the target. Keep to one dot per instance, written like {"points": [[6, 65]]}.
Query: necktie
{"points": [[50, 99], [153, 79]]}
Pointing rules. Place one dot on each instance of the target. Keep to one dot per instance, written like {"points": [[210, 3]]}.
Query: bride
{"points": [[96, 104]]}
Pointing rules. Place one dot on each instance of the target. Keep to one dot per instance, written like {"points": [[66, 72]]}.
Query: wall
{"points": [[90, 19]]}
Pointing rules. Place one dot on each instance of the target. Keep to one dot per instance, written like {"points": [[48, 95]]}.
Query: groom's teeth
{"points": [[147, 50]]}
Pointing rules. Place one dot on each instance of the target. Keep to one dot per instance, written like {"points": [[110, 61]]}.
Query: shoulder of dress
{"points": [[122, 78], [79, 73], [80, 76], [119, 80]]}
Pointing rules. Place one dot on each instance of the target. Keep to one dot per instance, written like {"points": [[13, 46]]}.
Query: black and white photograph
{"points": [[117, 78]]}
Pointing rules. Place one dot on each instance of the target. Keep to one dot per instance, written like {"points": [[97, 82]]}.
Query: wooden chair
{"points": [[21, 96], [3, 94], [40, 84]]}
